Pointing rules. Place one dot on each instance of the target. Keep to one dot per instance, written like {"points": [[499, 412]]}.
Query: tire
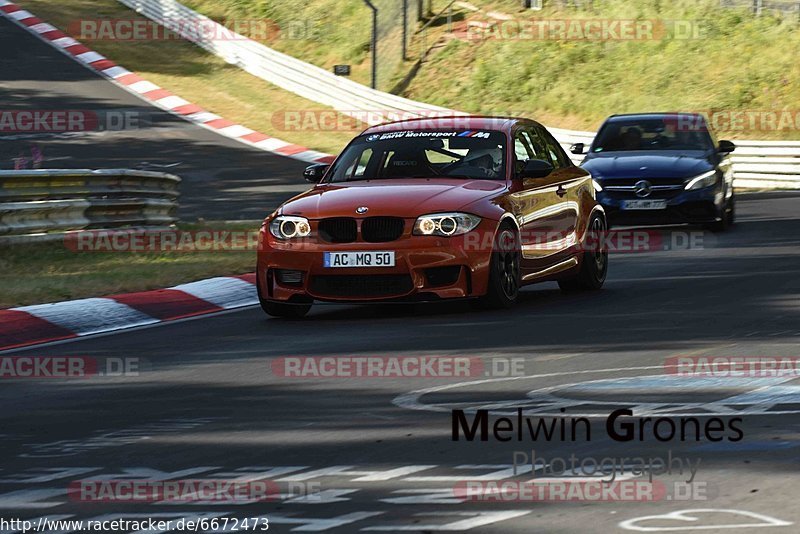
{"points": [[731, 213], [281, 309], [504, 271], [594, 266], [727, 219]]}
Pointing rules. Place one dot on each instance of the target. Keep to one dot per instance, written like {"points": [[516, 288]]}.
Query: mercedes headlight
{"points": [[445, 224], [707, 179], [287, 227]]}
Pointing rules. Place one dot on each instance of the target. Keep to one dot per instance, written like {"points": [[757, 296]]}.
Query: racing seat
{"points": [[407, 162]]}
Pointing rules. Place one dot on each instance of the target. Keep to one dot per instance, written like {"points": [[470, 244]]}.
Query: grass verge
{"points": [[49, 272], [701, 57]]}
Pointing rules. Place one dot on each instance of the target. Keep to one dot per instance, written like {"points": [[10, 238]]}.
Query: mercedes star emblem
{"points": [[642, 188]]}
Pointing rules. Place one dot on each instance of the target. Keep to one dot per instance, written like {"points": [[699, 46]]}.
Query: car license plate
{"points": [[359, 259], [644, 204]]}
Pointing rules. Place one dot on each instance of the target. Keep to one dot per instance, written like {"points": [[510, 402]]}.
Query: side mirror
{"points": [[536, 168], [726, 147], [314, 173], [577, 148]]}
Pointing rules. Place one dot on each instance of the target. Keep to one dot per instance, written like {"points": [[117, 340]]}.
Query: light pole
{"points": [[405, 27], [374, 42]]}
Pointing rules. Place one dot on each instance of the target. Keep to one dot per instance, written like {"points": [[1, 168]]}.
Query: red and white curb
{"points": [[43, 323], [151, 92]]}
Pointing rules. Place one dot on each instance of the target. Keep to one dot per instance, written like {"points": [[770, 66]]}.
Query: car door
{"points": [[539, 204], [572, 186]]}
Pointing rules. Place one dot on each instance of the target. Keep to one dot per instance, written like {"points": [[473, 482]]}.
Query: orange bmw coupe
{"points": [[431, 209]]}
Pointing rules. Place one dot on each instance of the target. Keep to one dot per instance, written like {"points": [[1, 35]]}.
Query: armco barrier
{"points": [[43, 201], [757, 164]]}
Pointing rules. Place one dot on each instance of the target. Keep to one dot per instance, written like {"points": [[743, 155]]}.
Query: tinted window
{"points": [[557, 155], [522, 148], [678, 132], [537, 144], [359, 166]]}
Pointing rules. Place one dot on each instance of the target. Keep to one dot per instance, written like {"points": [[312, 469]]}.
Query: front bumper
{"points": [[426, 268], [694, 207]]}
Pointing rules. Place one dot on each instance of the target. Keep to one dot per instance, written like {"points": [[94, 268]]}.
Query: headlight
{"points": [[445, 224], [707, 179], [287, 227]]}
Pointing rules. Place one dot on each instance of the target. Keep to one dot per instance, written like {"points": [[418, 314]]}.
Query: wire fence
{"points": [[397, 21]]}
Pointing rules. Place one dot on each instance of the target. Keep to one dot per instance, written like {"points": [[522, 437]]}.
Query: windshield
{"points": [[423, 154], [667, 133]]}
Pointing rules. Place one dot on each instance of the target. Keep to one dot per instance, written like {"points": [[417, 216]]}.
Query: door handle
{"points": [[561, 191]]}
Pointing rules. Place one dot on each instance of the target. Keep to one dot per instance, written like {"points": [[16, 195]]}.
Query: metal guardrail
{"points": [[757, 164], [45, 201]]}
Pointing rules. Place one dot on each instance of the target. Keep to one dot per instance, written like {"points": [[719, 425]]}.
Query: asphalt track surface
{"points": [[222, 178], [208, 399], [376, 454]]}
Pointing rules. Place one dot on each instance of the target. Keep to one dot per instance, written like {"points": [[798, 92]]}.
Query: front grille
{"points": [[381, 229], [653, 181], [379, 285], [338, 230]]}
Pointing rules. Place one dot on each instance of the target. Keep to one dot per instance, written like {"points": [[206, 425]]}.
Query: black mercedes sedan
{"points": [[661, 168]]}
